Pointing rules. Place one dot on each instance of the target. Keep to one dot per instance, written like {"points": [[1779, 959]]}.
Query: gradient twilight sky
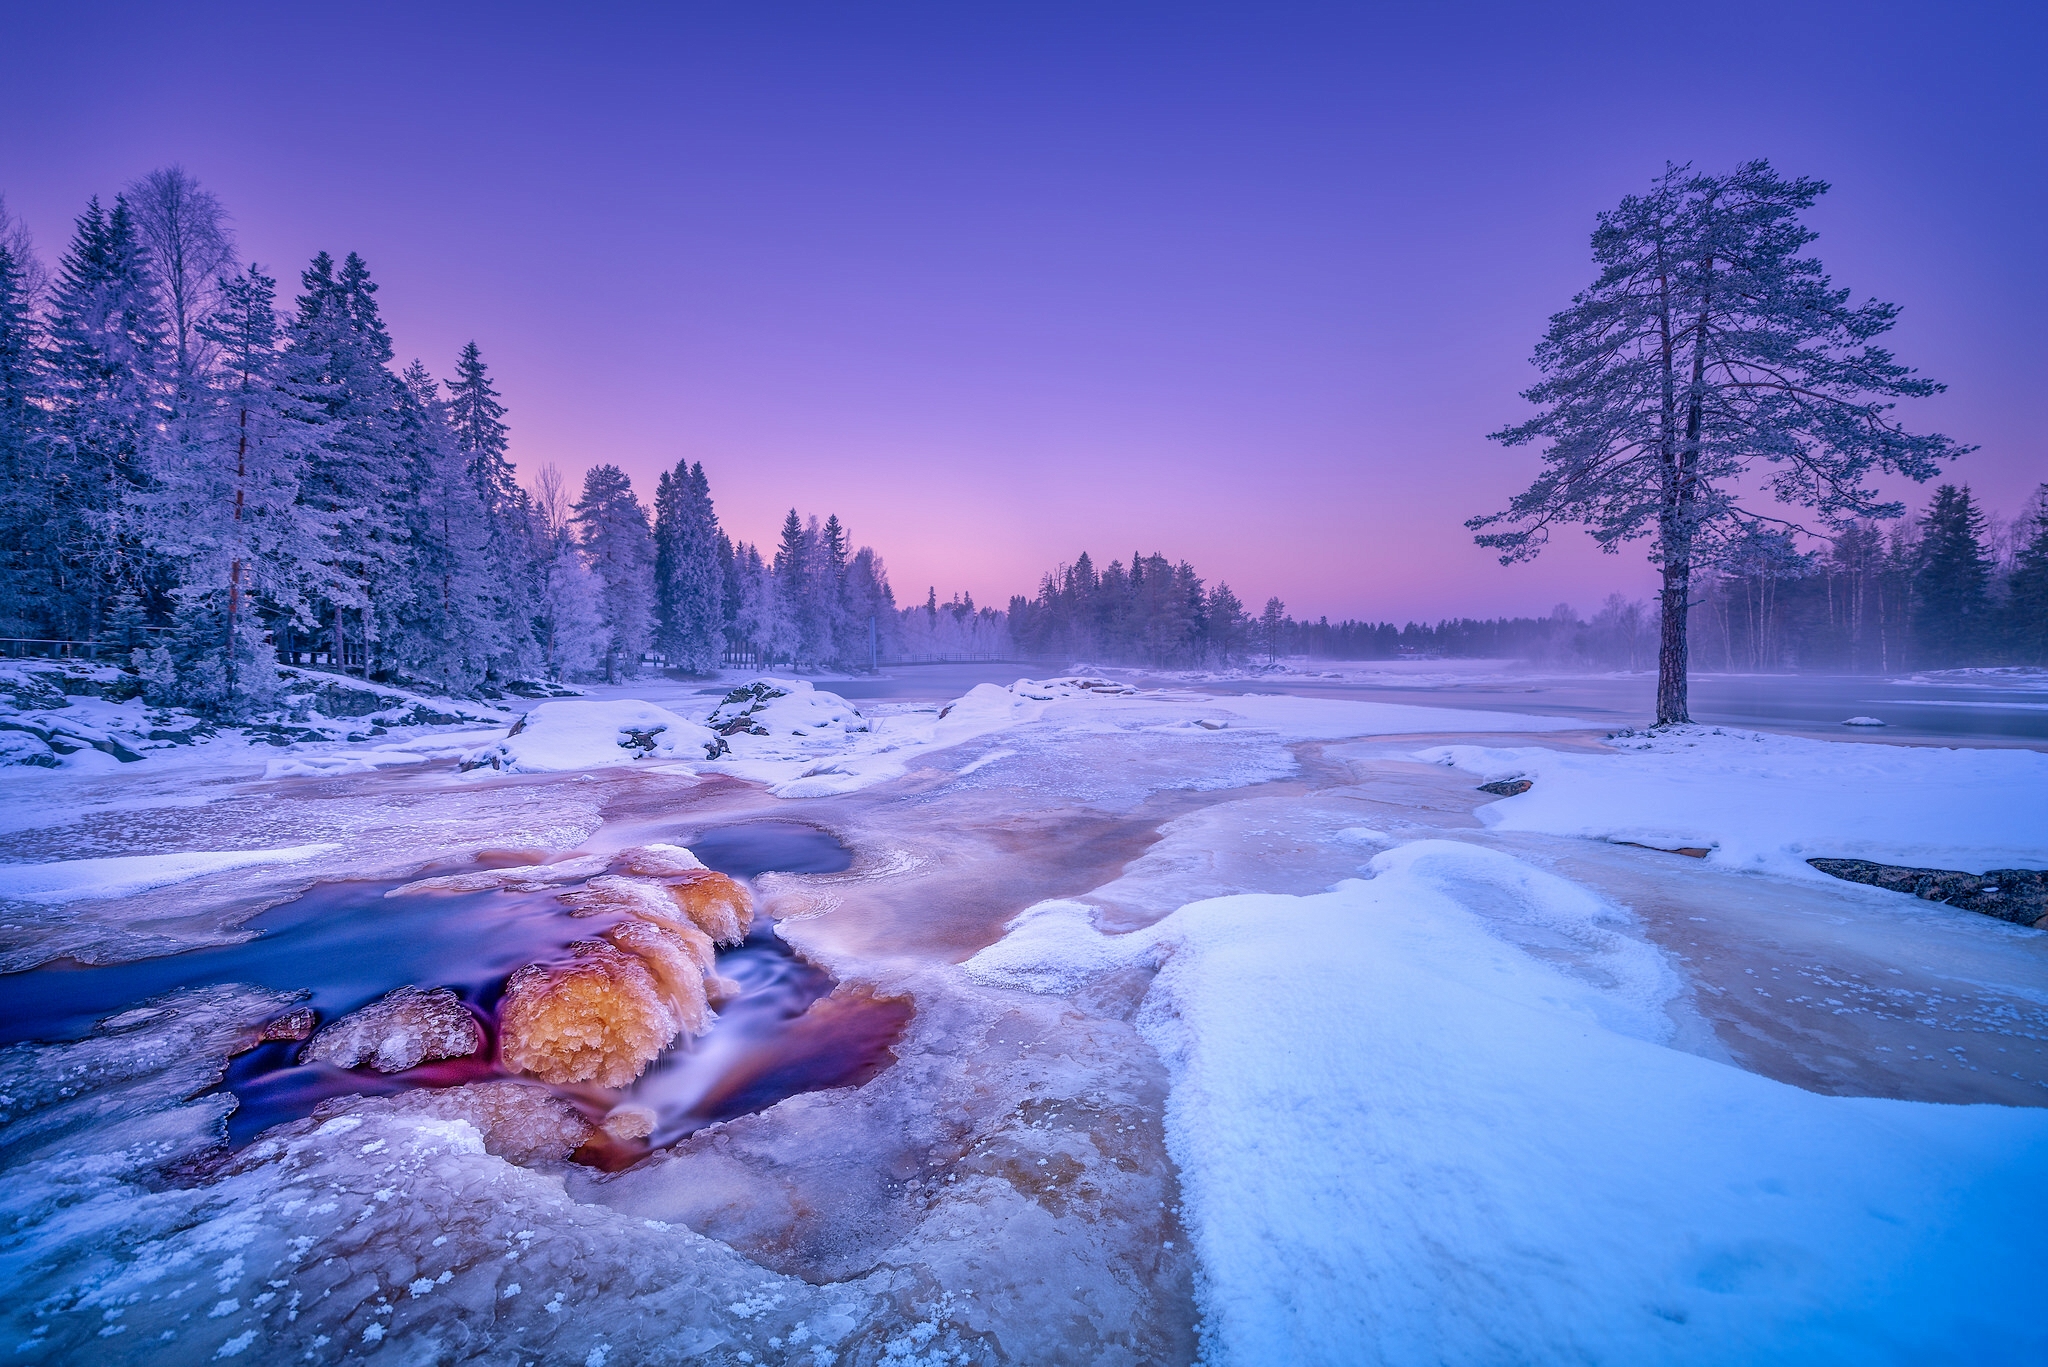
{"points": [[1000, 282]]}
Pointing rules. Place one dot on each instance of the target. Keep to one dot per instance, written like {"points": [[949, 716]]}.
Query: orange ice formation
{"points": [[605, 1015]]}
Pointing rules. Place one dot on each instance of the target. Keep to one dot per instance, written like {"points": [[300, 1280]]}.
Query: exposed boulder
{"points": [[2016, 895], [1507, 787]]}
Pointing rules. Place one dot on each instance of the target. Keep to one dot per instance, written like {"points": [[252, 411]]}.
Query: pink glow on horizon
{"points": [[1000, 286]]}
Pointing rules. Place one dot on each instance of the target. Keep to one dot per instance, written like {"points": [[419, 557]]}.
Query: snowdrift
{"points": [[1771, 802]]}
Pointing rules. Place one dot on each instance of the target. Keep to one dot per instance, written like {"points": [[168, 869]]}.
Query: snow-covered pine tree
{"points": [[445, 625], [1273, 629], [729, 592], [1709, 358], [617, 544], [1952, 583], [870, 611], [103, 350], [793, 577], [338, 356], [26, 554], [668, 530], [477, 419]]}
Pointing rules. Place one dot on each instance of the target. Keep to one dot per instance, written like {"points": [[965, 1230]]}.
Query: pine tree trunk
{"points": [[1671, 646]]}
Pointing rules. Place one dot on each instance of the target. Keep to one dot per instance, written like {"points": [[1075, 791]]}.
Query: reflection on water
{"points": [[348, 944]]}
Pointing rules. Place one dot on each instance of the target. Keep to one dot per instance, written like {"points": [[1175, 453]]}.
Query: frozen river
{"points": [[1991, 708]]}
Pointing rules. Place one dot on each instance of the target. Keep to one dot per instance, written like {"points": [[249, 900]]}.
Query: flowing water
{"points": [[348, 944]]}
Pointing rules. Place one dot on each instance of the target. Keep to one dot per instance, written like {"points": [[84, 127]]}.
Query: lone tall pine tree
{"points": [[1709, 363]]}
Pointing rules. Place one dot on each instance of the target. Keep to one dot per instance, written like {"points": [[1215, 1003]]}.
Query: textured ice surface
{"points": [[1404, 1139], [401, 1029], [75, 880]]}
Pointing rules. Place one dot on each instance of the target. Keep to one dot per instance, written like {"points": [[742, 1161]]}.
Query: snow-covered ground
{"points": [[1442, 1077]]}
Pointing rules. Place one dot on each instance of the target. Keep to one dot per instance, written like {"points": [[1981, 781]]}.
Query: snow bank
{"points": [[73, 715], [1403, 1140], [579, 734], [1771, 802], [74, 880]]}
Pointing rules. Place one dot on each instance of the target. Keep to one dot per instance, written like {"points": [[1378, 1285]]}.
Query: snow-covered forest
{"points": [[203, 477]]}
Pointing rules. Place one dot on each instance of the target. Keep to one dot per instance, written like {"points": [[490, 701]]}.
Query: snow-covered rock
{"points": [[401, 1029], [579, 734], [781, 709]]}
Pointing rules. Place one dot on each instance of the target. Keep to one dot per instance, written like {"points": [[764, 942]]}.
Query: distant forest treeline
{"points": [[1947, 588]]}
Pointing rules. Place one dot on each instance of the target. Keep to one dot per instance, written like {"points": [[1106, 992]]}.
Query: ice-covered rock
{"points": [[719, 906], [520, 1122], [599, 1018], [657, 861], [401, 1029], [631, 1121], [590, 734], [677, 971]]}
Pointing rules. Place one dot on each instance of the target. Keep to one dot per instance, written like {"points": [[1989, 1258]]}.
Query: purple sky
{"points": [[1000, 282]]}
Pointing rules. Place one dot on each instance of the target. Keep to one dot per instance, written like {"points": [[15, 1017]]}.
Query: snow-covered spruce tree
{"points": [[477, 417], [101, 360], [793, 578], [226, 512], [25, 552], [611, 528], [764, 622], [568, 627], [688, 583], [1952, 582], [337, 358], [1229, 625], [445, 625], [1709, 363], [2026, 601]]}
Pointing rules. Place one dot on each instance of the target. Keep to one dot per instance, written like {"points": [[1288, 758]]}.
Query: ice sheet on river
{"points": [[802, 741], [1771, 802], [1403, 1139]]}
